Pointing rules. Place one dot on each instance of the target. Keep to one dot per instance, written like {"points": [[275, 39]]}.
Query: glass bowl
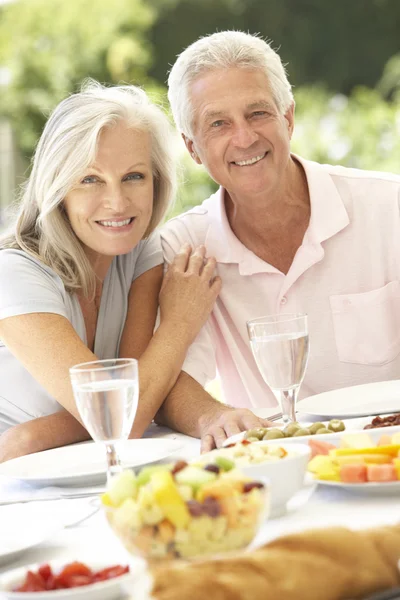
{"points": [[185, 511]]}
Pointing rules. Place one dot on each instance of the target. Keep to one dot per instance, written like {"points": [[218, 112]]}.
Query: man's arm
{"points": [[191, 410]]}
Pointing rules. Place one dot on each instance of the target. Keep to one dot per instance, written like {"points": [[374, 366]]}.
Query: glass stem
{"points": [[113, 463], [287, 401]]}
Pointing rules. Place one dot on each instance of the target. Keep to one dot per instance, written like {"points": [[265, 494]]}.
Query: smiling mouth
{"points": [[249, 161], [119, 223]]}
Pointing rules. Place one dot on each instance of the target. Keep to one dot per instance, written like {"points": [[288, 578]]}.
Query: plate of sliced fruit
{"points": [[367, 463]]}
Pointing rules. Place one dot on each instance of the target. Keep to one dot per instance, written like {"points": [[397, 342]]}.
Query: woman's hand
{"points": [[189, 290]]}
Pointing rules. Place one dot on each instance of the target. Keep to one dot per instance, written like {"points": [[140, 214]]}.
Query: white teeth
{"points": [[115, 223], [251, 161]]}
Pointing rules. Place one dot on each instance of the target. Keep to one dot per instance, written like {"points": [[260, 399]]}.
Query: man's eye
{"points": [[217, 123], [259, 113], [134, 176], [89, 179]]}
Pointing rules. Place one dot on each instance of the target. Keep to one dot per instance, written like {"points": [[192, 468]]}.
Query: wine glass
{"points": [[106, 394], [280, 347]]}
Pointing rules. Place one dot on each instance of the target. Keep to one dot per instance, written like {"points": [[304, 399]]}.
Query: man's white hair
{"points": [[224, 50]]}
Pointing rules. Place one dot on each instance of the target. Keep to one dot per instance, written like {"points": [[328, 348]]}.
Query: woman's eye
{"points": [[89, 179], [133, 176]]}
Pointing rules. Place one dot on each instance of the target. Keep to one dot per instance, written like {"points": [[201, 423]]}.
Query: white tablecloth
{"points": [[314, 506]]}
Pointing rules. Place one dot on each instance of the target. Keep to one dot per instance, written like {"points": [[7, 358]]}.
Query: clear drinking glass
{"points": [[280, 347], [106, 394]]}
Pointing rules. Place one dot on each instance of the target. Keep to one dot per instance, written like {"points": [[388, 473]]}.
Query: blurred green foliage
{"points": [[51, 46], [334, 51], [342, 43], [361, 130]]}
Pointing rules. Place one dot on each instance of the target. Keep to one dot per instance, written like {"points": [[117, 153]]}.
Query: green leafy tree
{"points": [[342, 44], [361, 130], [51, 46]]}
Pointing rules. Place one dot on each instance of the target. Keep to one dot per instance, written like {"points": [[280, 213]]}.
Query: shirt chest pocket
{"points": [[367, 325]]}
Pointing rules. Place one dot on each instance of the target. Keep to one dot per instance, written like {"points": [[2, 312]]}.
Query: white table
{"points": [[314, 506]]}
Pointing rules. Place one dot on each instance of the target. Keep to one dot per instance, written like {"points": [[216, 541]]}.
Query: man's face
{"points": [[239, 134]]}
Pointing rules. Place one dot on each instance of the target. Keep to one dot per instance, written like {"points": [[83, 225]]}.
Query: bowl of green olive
{"points": [[294, 430]]}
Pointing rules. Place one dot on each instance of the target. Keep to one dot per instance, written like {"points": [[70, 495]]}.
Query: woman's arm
{"points": [[142, 313], [47, 345], [51, 431], [186, 300]]}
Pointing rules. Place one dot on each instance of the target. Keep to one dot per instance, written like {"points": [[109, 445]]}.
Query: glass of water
{"points": [[280, 347], [106, 394]]}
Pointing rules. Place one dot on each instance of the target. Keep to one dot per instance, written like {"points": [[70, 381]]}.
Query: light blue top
{"points": [[29, 286]]}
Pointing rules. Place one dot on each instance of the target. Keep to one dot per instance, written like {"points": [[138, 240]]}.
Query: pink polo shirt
{"points": [[345, 276]]}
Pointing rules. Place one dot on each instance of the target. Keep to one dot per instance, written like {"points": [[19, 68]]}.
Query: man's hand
{"points": [[216, 428]]}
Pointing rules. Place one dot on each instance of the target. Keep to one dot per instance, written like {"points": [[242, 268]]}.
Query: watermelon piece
{"points": [[381, 473], [353, 473], [320, 447]]}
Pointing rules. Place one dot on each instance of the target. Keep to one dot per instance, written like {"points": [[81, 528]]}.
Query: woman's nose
{"points": [[116, 199]]}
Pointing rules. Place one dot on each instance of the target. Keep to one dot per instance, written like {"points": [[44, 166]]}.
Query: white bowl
{"points": [[112, 589], [285, 475]]}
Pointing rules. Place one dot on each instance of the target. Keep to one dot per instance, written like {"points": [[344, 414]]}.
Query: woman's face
{"points": [[110, 207]]}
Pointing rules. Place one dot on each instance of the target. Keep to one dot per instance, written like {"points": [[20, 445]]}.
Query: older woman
{"points": [[81, 268]]}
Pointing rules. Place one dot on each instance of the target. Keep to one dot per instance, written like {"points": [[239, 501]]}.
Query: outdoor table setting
{"points": [[118, 502], [68, 528]]}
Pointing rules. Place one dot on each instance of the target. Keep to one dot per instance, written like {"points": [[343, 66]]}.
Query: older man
{"points": [[289, 235]]}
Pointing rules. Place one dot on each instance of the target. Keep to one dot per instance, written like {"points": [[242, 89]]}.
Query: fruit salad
{"points": [[246, 453], [185, 511], [357, 459]]}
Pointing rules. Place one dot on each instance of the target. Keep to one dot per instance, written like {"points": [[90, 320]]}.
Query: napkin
{"points": [[326, 564], [12, 491]]}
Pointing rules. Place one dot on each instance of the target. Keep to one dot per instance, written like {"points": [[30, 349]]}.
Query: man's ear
{"points": [[289, 117], [191, 149]]}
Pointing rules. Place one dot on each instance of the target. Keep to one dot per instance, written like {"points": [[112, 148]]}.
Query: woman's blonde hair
{"points": [[66, 148]]}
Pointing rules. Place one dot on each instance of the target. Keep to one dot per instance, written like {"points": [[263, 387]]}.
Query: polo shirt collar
{"points": [[328, 217]]}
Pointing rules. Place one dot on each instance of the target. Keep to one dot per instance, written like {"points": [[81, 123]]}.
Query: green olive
{"points": [[273, 434], [257, 433], [252, 439], [302, 431], [336, 425], [291, 429], [315, 426], [323, 430]]}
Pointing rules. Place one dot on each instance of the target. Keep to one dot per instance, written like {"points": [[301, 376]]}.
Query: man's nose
{"points": [[244, 136]]}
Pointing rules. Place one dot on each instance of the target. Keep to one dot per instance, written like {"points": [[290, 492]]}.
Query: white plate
{"points": [[111, 589], [334, 438], [84, 464], [30, 534], [382, 397], [390, 488], [375, 489]]}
